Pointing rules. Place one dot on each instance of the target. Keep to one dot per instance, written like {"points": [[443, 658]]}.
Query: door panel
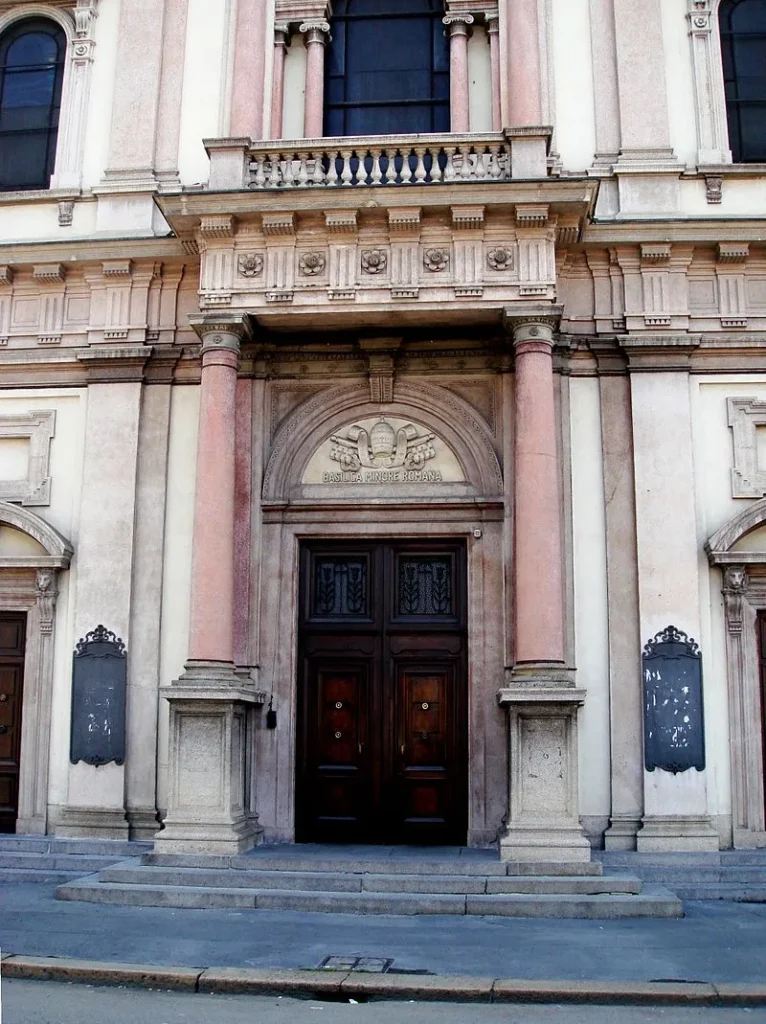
{"points": [[382, 694], [12, 642]]}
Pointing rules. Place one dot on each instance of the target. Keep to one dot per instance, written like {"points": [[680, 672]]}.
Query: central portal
{"points": [[382, 694]]}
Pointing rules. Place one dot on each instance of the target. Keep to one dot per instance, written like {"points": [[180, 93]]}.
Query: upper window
{"points": [[32, 55], [743, 41], [388, 68]]}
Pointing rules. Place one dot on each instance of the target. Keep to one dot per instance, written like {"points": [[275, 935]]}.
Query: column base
{"points": [[622, 831], [225, 837], [142, 822], [677, 834], [543, 821], [90, 823], [210, 765], [566, 844], [36, 826]]}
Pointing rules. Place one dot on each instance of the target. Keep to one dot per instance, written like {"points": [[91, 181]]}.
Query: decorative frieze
{"points": [[250, 264], [436, 260], [217, 226]]}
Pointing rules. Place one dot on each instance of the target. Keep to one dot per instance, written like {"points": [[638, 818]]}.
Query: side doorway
{"points": [[382, 693], [12, 644]]}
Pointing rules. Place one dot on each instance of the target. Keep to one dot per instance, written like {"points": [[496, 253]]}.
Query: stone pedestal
{"points": [[676, 833], [209, 805], [543, 820]]}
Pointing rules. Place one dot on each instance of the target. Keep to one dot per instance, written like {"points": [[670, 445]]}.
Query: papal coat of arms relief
{"points": [[383, 447], [383, 450]]}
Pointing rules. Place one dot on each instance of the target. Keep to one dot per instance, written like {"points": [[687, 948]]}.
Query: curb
{"points": [[343, 985]]}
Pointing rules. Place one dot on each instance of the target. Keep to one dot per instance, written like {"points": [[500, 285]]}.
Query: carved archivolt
{"points": [[438, 410]]}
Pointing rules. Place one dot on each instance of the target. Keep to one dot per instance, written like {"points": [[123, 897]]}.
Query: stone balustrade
{"points": [[513, 154]]}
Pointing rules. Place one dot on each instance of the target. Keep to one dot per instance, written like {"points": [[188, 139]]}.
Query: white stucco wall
{"points": [[176, 584], [573, 76], [205, 82], [590, 592], [102, 90], [680, 81], [479, 81], [294, 96]]}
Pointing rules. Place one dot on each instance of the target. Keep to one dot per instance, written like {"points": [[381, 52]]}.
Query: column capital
{"points": [[221, 333], [282, 34], [492, 23], [317, 31], [532, 325], [458, 24]]}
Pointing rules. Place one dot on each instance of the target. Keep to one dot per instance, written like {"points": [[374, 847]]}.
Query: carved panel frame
{"points": [[39, 427], [745, 415]]}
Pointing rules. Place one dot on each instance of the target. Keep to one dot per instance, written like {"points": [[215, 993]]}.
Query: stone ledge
{"points": [[273, 981]]}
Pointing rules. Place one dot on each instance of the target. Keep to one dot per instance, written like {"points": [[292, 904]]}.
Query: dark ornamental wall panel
{"points": [[674, 733], [99, 680]]}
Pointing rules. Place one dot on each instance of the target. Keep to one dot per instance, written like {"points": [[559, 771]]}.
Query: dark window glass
{"points": [[387, 69], [32, 54], [424, 585], [743, 43], [340, 587]]}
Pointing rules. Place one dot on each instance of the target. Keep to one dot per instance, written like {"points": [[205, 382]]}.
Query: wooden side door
{"points": [[426, 673], [12, 643], [337, 776]]}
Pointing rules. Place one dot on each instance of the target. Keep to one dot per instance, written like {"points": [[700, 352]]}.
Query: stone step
{"points": [[44, 876], [736, 893], [258, 861], [112, 848], [53, 861], [420, 883], [723, 858], [746, 875], [653, 902]]}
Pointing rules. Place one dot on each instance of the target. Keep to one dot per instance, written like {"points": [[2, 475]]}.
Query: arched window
{"points": [[32, 55], [388, 68], [743, 42]]}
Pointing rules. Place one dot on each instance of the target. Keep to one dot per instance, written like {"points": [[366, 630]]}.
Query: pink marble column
{"points": [[316, 35], [458, 29], [281, 42], [249, 69], [524, 59], [493, 34], [538, 571], [212, 607]]}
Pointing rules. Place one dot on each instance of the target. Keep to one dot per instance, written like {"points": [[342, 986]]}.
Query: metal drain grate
{"points": [[363, 964]]}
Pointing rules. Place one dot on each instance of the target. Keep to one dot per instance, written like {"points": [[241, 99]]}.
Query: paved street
{"points": [[35, 1002], [716, 941]]}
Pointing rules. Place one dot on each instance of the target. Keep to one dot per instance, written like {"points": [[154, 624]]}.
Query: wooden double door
{"points": [[382, 693], [12, 643]]}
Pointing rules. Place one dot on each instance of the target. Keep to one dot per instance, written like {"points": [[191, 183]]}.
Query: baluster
{"points": [[494, 160], [437, 158], [376, 175], [420, 167], [303, 170], [259, 177], [482, 156], [467, 170], [449, 166], [288, 170], [332, 168], [270, 166], [504, 160], [317, 177], [345, 176], [406, 174]]}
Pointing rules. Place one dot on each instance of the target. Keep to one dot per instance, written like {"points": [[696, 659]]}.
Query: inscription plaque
{"points": [[99, 678], [674, 733]]}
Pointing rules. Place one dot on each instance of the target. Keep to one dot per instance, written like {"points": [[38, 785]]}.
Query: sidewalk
{"points": [[715, 943]]}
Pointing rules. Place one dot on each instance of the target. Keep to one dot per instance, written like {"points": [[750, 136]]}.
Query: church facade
{"points": [[383, 423]]}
